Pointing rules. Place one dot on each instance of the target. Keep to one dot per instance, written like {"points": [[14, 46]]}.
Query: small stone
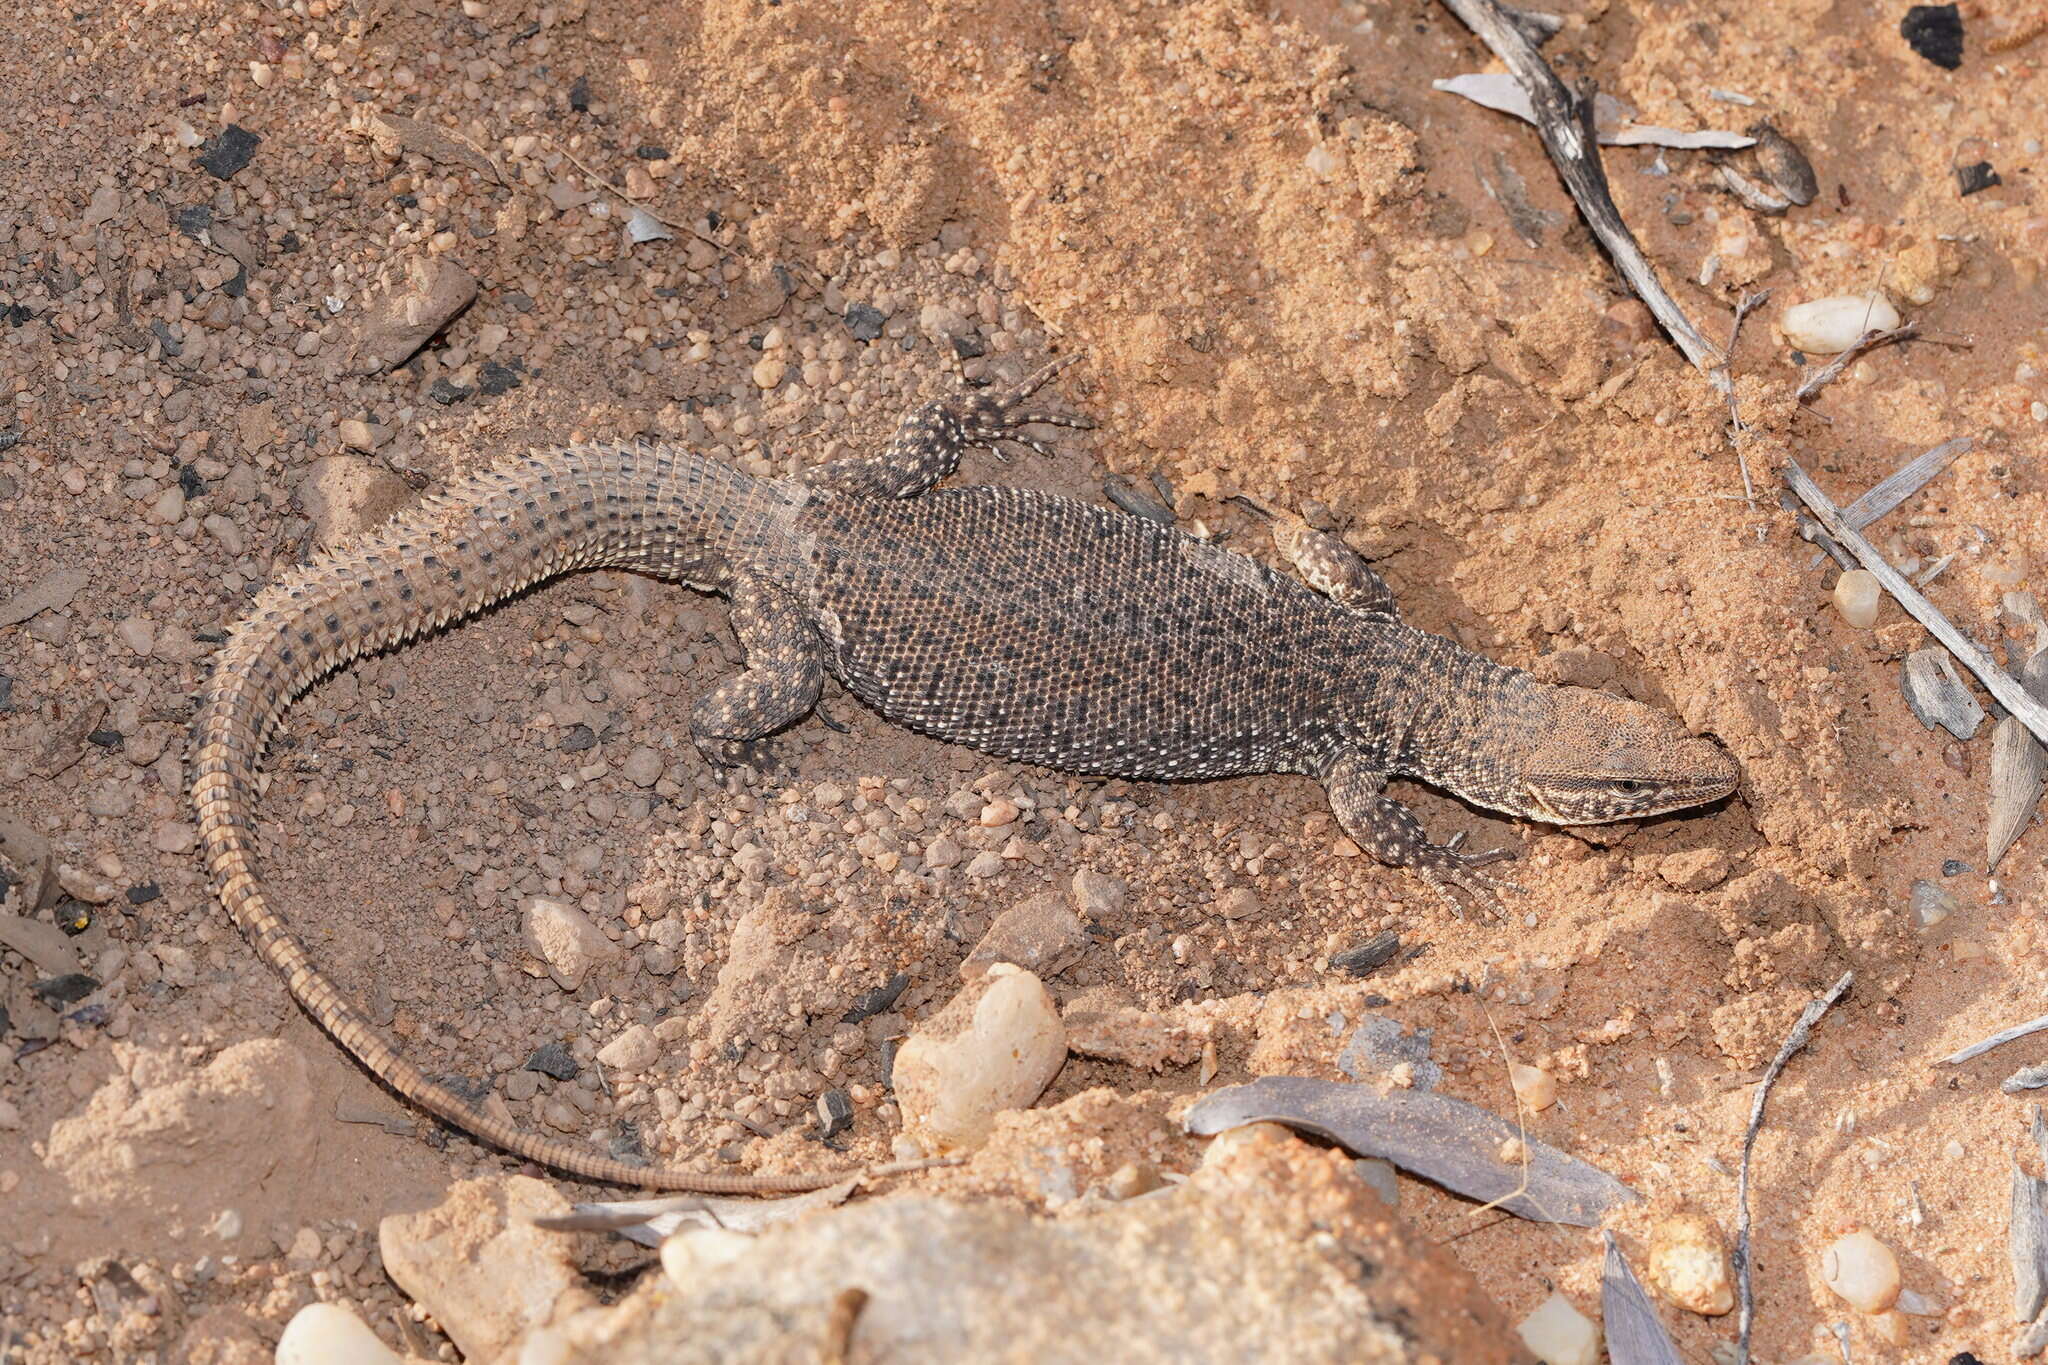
{"points": [[552, 1060], [1832, 325], [835, 1114], [987, 863], [864, 321], [1861, 1271], [1239, 902], [1559, 1334], [998, 813], [228, 151], [169, 507], [995, 1046], [104, 205], [565, 938], [1096, 895], [1936, 33], [1382, 1177], [769, 370], [642, 767], [1856, 597], [174, 837], [942, 852], [1689, 1263], [226, 532], [328, 1334], [633, 1051], [1132, 1179], [1534, 1086], [138, 633], [401, 321], [1041, 935], [690, 1253], [357, 434]]}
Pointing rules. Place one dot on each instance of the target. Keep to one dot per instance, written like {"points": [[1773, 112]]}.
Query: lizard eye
{"points": [[1628, 786]]}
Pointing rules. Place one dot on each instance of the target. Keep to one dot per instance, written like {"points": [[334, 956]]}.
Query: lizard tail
{"points": [[487, 537]]}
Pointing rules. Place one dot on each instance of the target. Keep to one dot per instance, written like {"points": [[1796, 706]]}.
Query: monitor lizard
{"points": [[1032, 627]]}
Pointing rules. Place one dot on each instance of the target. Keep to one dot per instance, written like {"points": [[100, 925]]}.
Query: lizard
{"points": [[1029, 626]]}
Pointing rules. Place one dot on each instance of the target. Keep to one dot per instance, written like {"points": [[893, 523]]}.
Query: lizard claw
{"points": [[1449, 870], [996, 417]]}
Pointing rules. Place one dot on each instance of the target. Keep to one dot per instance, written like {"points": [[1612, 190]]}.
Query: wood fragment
{"points": [[1564, 121], [1635, 1335], [1996, 680], [2000, 1039], [2018, 767], [839, 1324], [2026, 1078], [651, 1221], [1869, 341], [1887, 493], [1802, 1030], [2027, 1233]]}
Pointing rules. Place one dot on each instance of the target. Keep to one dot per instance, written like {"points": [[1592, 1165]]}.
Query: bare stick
{"points": [[1869, 341], [1737, 428], [1801, 1031], [1996, 680], [1978, 1049], [1564, 121], [1888, 492]]}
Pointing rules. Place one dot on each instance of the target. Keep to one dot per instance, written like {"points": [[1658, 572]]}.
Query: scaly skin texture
{"points": [[1029, 626]]}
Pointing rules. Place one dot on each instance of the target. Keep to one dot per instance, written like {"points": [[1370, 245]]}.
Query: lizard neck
{"points": [[1455, 719]]}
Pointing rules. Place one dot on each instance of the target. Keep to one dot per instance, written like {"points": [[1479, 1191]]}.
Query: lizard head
{"points": [[1599, 757]]}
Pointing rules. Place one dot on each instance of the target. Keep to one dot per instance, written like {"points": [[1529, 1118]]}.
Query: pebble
{"points": [[1689, 1263], [642, 767], [1861, 1271], [635, 1050], [1832, 325], [987, 863], [995, 1046], [1096, 895], [169, 507], [1856, 597], [226, 532], [328, 1334], [1239, 902], [402, 321], [1559, 1334], [1041, 935], [942, 852], [360, 435], [565, 938], [998, 813], [769, 370], [1534, 1086], [690, 1253]]}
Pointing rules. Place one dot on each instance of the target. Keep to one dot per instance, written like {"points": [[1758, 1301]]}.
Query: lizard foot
{"points": [[987, 419], [737, 763], [1448, 869]]}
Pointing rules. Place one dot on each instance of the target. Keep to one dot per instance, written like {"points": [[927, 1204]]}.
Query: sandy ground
{"points": [[1287, 259]]}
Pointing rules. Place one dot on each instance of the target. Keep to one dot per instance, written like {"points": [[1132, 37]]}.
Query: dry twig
{"points": [[1801, 1031], [1886, 494], [1996, 680], [1869, 341], [1564, 120]]}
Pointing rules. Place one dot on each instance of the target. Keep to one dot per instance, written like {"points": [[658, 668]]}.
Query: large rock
{"points": [[995, 1046], [1276, 1251], [405, 318], [477, 1263]]}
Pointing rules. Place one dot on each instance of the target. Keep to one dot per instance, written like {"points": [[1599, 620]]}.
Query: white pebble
{"points": [[1689, 1262], [690, 1253], [328, 1334], [1559, 1334], [1534, 1086], [1862, 1272], [768, 371], [1856, 597], [633, 1051], [1832, 325], [995, 1046]]}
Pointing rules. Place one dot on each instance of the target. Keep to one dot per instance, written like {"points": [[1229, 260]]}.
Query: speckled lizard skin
{"points": [[1029, 626]]}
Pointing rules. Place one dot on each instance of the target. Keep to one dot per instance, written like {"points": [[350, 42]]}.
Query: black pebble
{"points": [[1977, 177], [67, 989], [970, 345], [6, 693], [650, 152], [472, 1090], [626, 1145], [16, 314], [239, 285], [579, 95], [864, 321], [447, 394], [1936, 33], [1964, 1358], [835, 1114], [494, 379], [1954, 867], [195, 220], [144, 894], [106, 739], [228, 150], [190, 482], [169, 340], [877, 1001], [552, 1059], [577, 738]]}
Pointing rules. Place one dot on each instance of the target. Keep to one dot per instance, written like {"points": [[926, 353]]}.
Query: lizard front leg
{"points": [[1390, 832], [1327, 564], [784, 674], [932, 437]]}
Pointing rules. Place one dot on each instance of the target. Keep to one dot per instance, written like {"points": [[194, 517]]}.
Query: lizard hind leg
{"points": [[784, 674], [1390, 832]]}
